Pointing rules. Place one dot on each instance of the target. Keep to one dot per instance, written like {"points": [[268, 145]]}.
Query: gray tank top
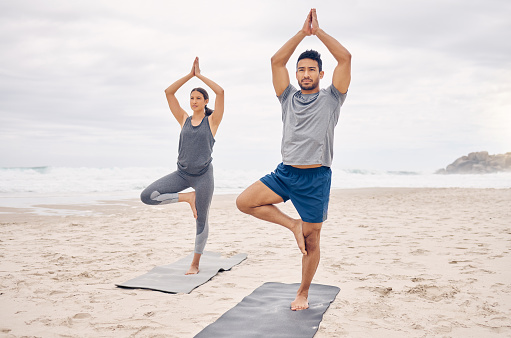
{"points": [[195, 147]]}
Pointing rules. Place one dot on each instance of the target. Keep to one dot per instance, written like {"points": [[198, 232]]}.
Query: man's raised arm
{"points": [[342, 72], [280, 59]]}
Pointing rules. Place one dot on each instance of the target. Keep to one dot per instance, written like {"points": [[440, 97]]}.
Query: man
{"points": [[309, 116]]}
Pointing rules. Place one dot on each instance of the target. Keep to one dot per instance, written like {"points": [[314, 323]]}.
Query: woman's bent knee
{"points": [[145, 197]]}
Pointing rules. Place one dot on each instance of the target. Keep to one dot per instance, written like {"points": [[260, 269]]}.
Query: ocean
{"points": [[28, 187]]}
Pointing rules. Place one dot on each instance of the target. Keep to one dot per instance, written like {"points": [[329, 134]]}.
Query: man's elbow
{"points": [[345, 56], [272, 60], [276, 61], [344, 59]]}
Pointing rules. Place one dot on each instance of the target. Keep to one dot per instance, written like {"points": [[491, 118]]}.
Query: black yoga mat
{"points": [[266, 312]]}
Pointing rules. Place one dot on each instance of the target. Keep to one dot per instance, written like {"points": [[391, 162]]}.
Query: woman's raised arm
{"points": [[218, 113], [178, 112]]}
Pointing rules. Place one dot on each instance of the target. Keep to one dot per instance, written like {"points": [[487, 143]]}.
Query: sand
{"points": [[409, 262]]}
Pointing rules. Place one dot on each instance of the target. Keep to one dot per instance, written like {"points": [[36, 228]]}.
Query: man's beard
{"points": [[310, 86]]}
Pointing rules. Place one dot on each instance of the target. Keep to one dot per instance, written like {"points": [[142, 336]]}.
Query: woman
{"points": [[194, 160]]}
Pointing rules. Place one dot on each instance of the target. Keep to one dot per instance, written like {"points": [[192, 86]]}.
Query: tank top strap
{"points": [[189, 122]]}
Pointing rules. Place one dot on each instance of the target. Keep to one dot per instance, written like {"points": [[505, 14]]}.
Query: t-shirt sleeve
{"points": [[340, 97], [284, 96]]}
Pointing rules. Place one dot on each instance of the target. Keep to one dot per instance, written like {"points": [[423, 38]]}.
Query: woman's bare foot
{"points": [[300, 303], [298, 232], [193, 270], [189, 197], [194, 267]]}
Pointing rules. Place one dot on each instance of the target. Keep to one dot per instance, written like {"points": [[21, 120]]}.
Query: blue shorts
{"points": [[308, 189]]}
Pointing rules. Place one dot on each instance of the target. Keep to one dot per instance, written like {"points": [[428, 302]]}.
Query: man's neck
{"points": [[312, 91]]}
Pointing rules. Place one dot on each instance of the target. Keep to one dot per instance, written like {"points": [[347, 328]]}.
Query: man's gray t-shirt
{"points": [[308, 125]]}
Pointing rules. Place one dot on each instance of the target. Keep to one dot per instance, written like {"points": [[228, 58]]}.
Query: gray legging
{"points": [[165, 191]]}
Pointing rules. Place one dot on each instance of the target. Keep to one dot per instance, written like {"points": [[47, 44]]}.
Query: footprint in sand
{"points": [[433, 292], [81, 316]]}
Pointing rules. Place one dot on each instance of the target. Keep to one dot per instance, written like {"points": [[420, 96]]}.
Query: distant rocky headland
{"points": [[479, 163]]}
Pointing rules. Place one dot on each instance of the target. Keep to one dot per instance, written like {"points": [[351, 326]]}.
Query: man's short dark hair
{"points": [[311, 54]]}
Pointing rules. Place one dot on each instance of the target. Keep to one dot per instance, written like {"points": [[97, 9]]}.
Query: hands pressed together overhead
{"points": [[195, 68], [311, 25]]}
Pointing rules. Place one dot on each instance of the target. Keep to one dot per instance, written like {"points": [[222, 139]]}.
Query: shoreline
{"points": [[410, 262], [74, 204]]}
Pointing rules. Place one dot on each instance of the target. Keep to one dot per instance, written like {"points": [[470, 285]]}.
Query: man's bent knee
{"points": [[255, 196], [242, 203]]}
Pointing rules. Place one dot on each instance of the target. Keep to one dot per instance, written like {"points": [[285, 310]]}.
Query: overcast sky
{"points": [[81, 82]]}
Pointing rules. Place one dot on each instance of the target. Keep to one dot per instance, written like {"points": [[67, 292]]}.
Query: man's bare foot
{"points": [[298, 232], [193, 270], [300, 303]]}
